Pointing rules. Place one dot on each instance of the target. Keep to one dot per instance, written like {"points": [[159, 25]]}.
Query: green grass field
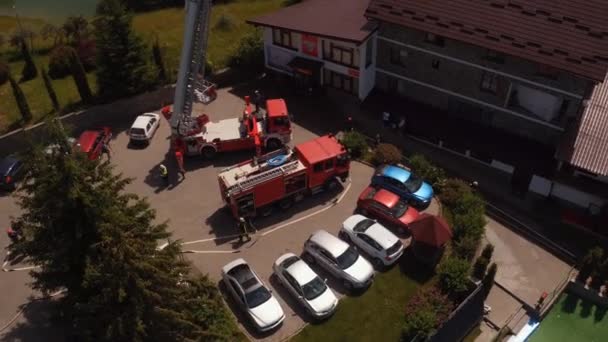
{"points": [[572, 319], [166, 24], [377, 315]]}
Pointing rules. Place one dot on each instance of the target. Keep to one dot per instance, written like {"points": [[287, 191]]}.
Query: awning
{"points": [[305, 66]]}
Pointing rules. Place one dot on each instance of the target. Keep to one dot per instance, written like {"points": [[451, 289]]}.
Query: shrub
{"points": [[59, 61], [419, 324], [452, 191], [487, 251], [4, 71], [425, 169], [425, 311], [466, 247], [453, 275], [250, 52], [480, 266], [355, 143], [225, 23], [590, 264], [386, 154]]}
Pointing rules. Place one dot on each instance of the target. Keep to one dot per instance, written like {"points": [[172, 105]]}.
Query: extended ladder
{"points": [[266, 175]]}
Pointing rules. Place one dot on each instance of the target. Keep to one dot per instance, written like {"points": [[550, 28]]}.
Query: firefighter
{"points": [[257, 100], [105, 148], [244, 229], [164, 173], [179, 156]]}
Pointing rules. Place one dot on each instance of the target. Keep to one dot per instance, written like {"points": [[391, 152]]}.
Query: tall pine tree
{"points": [[24, 108], [100, 243], [29, 71], [49, 89], [80, 77], [159, 61], [122, 56]]}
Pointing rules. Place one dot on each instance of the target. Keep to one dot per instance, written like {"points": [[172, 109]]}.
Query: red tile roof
{"points": [[587, 147], [571, 35], [431, 230], [337, 19]]}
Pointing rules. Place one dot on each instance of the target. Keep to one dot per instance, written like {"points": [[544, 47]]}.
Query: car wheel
{"points": [[378, 264], [209, 152], [347, 285], [266, 211], [308, 258]]}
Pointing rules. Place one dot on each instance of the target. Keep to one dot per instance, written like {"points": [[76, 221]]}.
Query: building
{"points": [[322, 43]]}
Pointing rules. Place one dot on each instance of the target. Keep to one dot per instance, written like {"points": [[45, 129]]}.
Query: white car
{"points": [[338, 258], [377, 241], [305, 285], [252, 295], [144, 127]]}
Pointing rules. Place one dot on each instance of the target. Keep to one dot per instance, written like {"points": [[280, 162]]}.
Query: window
{"points": [[284, 38], [340, 81], [435, 39], [318, 167], [370, 242], [369, 52], [398, 56], [342, 160], [488, 82], [293, 282], [495, 56], [339, 54], [329, 164]]}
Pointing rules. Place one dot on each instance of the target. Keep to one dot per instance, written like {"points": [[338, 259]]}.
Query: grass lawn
{"points": [[377, 315], [572, 319]]}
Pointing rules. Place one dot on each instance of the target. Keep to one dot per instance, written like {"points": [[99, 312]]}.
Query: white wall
{"points": [[547, 188]]}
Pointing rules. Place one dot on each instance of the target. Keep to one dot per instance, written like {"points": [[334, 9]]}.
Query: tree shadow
{"points": [[600, 313], [570, 303], [38, 322], [413, 269], [586, 307]]}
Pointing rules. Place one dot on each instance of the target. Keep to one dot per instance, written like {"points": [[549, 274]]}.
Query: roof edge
{"points": [[350, 40]]}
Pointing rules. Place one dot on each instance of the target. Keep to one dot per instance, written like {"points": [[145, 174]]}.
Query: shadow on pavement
{"points": [[413, 269], [37, 323]]}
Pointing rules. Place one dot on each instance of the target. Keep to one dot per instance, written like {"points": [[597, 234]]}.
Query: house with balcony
{"points": [[322, 44]]}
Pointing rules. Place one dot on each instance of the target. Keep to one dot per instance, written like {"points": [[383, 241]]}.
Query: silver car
{"points": [[252, 295], [338, 258], [378, 242], [305, 285]]}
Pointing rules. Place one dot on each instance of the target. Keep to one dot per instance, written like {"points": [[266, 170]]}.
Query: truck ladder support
{"points": [[267, 175]]}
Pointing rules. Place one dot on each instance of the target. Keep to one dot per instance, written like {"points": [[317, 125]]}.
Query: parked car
{"points": [[377, 241], [252, 296], [405, 184], [338, 258], [387, 206], [305, 285], [11, 171], [91, 141], [143, 128]]}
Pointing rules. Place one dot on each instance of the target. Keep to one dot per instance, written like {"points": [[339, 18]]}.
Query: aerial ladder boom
{"points": [[190, 78]]}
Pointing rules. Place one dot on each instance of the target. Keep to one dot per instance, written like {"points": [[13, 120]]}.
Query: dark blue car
{"points": [[10, 172], [405, 184]]}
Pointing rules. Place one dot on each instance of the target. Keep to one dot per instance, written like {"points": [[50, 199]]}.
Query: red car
{"points": [[387, 206], [92, 141]]}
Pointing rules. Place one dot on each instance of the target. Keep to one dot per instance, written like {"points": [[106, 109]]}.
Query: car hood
{"points": [[267, 313], [325, 302], [425, 192], [361, 270], [410, 216]]}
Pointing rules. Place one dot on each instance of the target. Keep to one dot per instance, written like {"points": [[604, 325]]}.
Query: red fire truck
{"points": [[271, 130], [280, 178]]}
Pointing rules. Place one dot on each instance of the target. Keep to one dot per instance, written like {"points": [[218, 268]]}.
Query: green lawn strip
{"points": [[586, 322], [377, 315]]}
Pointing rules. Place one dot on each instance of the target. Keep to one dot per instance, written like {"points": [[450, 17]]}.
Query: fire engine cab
{"points": [[283, 177], [269, 129]]}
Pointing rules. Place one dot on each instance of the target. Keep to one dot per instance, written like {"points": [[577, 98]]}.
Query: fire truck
{"points": [[280, 178], [196, 135]]}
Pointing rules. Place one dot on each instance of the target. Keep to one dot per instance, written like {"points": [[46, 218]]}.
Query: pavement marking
{"points": [[211, 252], [6, 262], [227, 237]]}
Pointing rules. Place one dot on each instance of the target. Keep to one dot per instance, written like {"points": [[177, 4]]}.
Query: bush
{"points": [[59, 61], [86, 51], [386, 154], [250, 52], [466, 247], [468, 217], [590, 264], [4, 71], [480, 266], [487, 252], [425, 311], [355, 143], [425, 169], [452, 191], [225, 23], [454, 275], [421, 323]]}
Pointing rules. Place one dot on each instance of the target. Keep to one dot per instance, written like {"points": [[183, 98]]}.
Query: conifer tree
{"points": [[122, 56], [24, 108], [80, 77], [100, 244], [49, 89], [159, 61]]}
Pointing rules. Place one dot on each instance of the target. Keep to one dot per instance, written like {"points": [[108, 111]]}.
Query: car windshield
{"points": [[137, 131], [413, 183], [314, 288], [257, 297], [348, 258], [363, 225], [394, 248], [399, 209]]}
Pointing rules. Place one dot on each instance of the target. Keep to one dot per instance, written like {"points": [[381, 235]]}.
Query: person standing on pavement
{"points": [[257, 100], [386, 119], [401, 125], [105, 149], [244, 229], [164, 174]]}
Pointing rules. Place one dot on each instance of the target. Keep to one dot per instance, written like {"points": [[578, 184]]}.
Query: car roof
{"points": [[381, 235], [142, 120], [276, 108], [329, 242], [396, 172], [301, 272], [386, 197], [88, 137]]}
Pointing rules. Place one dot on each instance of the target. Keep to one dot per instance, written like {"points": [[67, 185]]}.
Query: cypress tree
{"points": [[29, 71], [24, 108], [80, 77], [100, 243], [122, 56], [50, 90], [158, 60]]}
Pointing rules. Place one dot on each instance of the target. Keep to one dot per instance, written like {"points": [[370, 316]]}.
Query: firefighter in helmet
{"points": [[164, 173], [244, 229]]}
